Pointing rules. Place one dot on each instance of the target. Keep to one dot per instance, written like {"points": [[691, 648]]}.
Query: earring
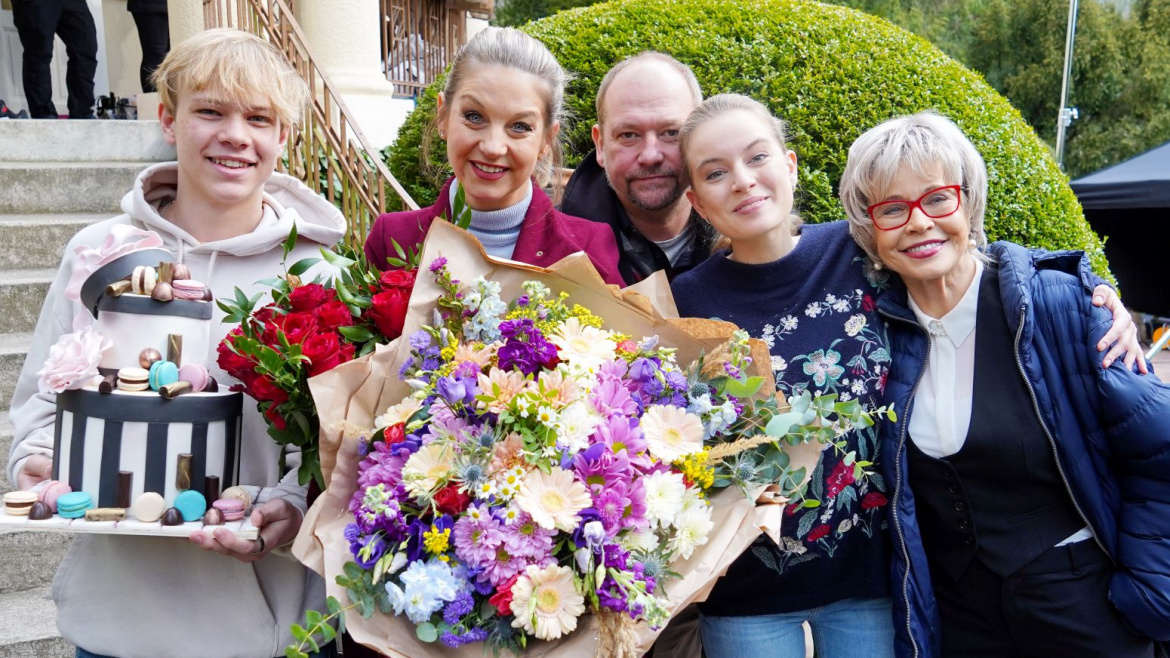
{"points": [[442, 135], [972, 244], [877, 266]]}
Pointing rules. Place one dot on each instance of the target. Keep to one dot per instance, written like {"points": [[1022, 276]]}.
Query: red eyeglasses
{"points": [[937, 203]]}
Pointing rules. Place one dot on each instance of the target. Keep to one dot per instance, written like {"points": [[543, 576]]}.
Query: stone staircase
{"points": [[55, 178]]}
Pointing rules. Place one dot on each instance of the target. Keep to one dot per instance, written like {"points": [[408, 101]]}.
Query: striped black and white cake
{"points": [[97, 435]]}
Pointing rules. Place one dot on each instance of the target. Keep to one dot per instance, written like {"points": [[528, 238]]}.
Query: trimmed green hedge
{"points": [[831, 72]]}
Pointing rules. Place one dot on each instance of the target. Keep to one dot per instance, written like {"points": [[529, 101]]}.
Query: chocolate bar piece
{"points": [[211, 488], [125, 486], [183, 472], [118, 288], [171, 391], [166, 272], [175, 348], [105, 514]]}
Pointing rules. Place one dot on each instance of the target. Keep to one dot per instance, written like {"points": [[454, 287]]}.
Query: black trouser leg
{"points": [[76, 28], [155, 37], [36, 21]]}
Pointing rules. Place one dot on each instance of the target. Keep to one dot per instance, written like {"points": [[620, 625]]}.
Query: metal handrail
{"points": [[328, 151], [419, 39]]}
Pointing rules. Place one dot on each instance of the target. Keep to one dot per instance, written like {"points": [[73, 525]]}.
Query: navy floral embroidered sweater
{"points": [[816, 310]]}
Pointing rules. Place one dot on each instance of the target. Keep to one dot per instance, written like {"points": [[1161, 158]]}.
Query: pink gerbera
{"points": [[477, 536], [526, 539]]}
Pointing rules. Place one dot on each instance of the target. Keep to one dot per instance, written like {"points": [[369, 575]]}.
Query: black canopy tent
{"points": [[1129, 204]]}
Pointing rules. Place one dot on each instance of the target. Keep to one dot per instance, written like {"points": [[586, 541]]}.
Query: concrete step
{"points": [[65, 187], [83, 141], [39, 554], [38, 241], [13, 348], [22, 292], [28, 626]]}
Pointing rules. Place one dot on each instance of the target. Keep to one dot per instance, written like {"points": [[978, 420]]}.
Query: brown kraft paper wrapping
{"points": [[350, 396]]}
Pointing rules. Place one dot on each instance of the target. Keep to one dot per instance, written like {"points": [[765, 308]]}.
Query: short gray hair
{"points": [[683, 70], [917, 143], [511, 48]]}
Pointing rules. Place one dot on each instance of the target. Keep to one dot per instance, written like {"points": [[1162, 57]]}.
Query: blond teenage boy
{"points": [[228, 102]]}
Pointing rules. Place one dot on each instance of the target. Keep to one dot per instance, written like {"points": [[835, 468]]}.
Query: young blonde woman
{"points": [[811, 294], [500, 115]]}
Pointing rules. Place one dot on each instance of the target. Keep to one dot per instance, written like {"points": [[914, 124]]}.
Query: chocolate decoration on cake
{"points": [[171, 391], [148, 356], [106, 514], [207, 296], [174, 348], [172, 517], [108, 384], [183, 472], [40, 511], [211, 488], [163, 292], [213, 517], [125, 486], [181, 271], [166, 272], [212, 386], [118, 288]]}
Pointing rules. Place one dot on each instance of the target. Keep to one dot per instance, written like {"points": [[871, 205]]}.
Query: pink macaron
{"points": [[188, 289], [54, 490], [231, 508], [195, 375]]}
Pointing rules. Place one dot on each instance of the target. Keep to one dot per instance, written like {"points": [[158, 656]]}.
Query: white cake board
{"points": [[242, 529]]}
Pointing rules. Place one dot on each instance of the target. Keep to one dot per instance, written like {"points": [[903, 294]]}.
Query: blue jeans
{"points": [[328, 651], [853, 628]]}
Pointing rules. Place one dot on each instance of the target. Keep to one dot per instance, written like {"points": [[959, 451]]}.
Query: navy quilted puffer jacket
{"points": [[1110, 429]]}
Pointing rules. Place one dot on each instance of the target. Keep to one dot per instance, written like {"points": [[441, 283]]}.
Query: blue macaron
{"points": [[163, 373], [191, 504], [73, 505]]}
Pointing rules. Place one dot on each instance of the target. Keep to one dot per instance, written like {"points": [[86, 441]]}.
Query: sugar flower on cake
{"points": [[546, 602], [73, 361], [671, 433], [553, 499]]}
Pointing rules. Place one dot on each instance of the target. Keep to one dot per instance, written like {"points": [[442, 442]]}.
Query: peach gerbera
{"points": [[553, 499], [546, 602], [671, 433]]}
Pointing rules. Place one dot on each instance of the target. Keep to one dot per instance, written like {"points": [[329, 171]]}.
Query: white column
{"points": [[345, 38], [185, 18]]}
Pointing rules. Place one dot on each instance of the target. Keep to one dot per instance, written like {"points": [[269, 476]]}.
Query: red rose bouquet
{"points": [[307, 329]]}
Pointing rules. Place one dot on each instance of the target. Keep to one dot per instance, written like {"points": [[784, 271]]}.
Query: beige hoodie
{"points": [[137, 597]]}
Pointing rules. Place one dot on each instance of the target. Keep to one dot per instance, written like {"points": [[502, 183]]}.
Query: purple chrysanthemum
{"points": [[526, 539], [476, 539]]}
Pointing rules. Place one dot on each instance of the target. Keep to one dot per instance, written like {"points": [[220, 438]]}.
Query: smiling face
{"points": [[925, 250], [742, 180], [496, 131], [226, 153], [637, 141]]}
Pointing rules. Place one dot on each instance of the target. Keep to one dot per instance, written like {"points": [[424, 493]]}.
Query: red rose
{"points": [[308, 296], [274, 417], [265, 314], [449, 500], [388, 311], [818, 532], [403, 279], [502, 599], [324, 353], [873, 499], [395, 433], [266, 390], [334, 314], [233, 364], [297, 328]]}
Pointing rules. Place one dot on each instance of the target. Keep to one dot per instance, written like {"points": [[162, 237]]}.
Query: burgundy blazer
{"points": [[546, 236]]}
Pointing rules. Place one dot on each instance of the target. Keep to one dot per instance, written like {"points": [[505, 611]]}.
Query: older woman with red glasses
{"points": [[1031, 509]]}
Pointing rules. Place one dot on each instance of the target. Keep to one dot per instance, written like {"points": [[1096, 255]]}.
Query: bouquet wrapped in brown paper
{"points": [[539, 413]]}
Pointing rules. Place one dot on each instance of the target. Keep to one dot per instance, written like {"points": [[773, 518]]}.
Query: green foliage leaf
{"points": [[301, 266], [356, 334], [744, 389], [291, 241], [335, 259], [427, 632]]}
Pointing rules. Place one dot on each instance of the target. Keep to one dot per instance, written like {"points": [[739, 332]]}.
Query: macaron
{"points": [[149, 507], [73, 505], [239, 493], [188, 289], [143, 279], [191, 504], [133, 379], [54, 490], [232, 509], [18, 503], [162, 373], [195, 375]]}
